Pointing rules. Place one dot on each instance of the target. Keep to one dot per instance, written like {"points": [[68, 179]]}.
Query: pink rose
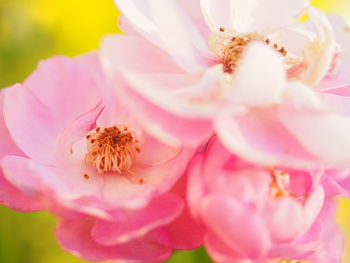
{"points": [[254, 213], [69, 146], [248, 72]]}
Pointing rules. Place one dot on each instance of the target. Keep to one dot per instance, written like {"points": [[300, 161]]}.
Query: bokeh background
{"points": [[31, 30]]}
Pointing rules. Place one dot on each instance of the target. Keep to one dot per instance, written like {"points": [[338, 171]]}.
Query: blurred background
{"points": [[31, 30]]}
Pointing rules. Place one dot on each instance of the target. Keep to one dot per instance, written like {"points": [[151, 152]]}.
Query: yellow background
{"points": [[31, 30]]}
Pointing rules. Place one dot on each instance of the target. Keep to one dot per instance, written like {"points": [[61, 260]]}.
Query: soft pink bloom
{"points": [[69, 146], [254, 213], [246, 70]]}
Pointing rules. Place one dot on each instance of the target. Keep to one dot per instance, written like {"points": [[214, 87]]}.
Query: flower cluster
{"points": [[223, 123]]}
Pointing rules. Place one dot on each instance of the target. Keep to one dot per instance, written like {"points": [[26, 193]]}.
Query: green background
{"points": [[31, 30]]}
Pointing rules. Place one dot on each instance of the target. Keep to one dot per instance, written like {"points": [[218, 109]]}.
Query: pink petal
{"points": [[237, 226], [163, 124], [325, 135], [15, 199], [184, 42], [119, 52], [129, 225], [282, 228], [219, 251], [9, 195], [258, 136], [302, 248], [184, 232], [44, 95], [195, 189], [75, 237]]}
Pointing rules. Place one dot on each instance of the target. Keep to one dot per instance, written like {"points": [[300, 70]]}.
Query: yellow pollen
{"points": [[112, 149], [233, 49]]}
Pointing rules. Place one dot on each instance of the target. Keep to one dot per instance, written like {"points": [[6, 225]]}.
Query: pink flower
{"points": [[244, 70], [254, 213], [72, 148]]}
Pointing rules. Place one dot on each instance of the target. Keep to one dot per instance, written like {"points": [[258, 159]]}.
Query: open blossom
{"points": [[253, 213], [70, 147], [247, 70]]}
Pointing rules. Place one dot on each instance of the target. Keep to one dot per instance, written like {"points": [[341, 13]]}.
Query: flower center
{"points": [[230, 47], [112, 149], [279, 186]]}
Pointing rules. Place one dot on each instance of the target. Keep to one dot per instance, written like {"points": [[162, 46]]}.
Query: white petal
{"points": [[319, 54], [260, 78], [179, 34], [137, 13], [217, 13]]}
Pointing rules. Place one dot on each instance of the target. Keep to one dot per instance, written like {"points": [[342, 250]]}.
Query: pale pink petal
{"points": [[183, 41], [160, 152], [324, 135], [313, 206], [342, 34], [44, 95], [254, 76], [133, 224], [75, 237], [9, 195], [239, 228], [267, 15], [282, 228], [217, 14], [294, 39], [34, 132], [137, 14], [320, 53], [260, 137], [165, 125], [119, 52]]}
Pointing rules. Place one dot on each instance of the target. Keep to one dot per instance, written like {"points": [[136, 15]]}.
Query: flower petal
{"points": [[44, 95], [75, 237], [133, 224], [260, 78], [249, 240], [258, 136], [267, 15]]}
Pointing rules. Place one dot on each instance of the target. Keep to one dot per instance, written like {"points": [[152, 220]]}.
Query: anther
{"points": [[115, 150]]}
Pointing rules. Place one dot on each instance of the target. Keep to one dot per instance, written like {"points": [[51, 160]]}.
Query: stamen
{"points": [[280, 183], [233, 52], [234, 48], [112, 149]]}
